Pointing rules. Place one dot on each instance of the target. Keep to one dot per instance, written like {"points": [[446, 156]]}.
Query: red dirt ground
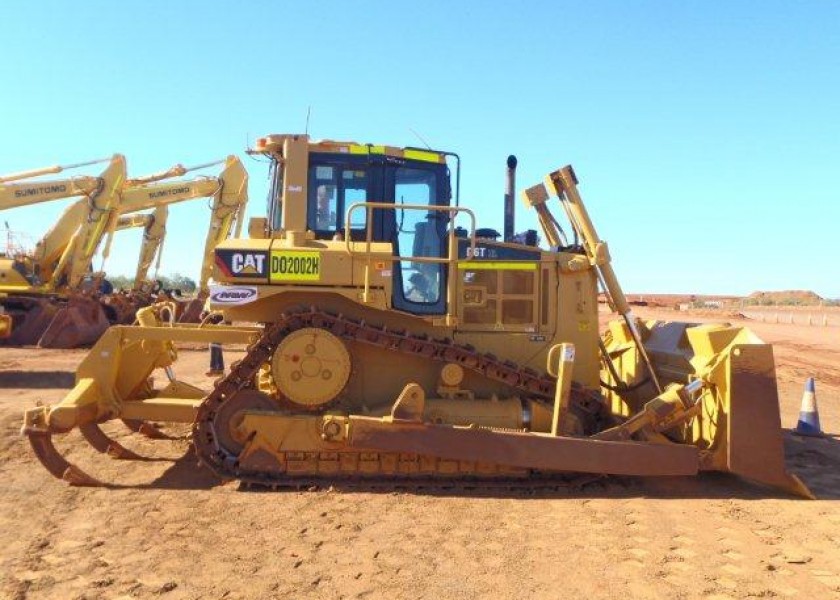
{"points": [[175, 532]]}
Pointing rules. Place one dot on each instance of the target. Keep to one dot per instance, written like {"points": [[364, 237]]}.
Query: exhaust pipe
{"points": [[510, 188]]}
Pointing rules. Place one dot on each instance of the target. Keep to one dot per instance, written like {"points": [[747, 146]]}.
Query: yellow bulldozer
{"points": [[389, 339]]}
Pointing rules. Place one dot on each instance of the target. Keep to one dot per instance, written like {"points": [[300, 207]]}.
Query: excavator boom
{"points": [[43, 292], [26, 194], [228, 195], [61, 261]]}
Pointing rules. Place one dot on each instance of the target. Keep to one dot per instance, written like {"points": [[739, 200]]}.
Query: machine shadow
{"points": [[816, 460], [184, 474], [37, 379]]}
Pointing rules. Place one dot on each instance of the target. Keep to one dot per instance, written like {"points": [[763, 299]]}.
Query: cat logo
{"points": [[242, 264]]}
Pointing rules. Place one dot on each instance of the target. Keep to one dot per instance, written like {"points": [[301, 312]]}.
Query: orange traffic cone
{"points": [[809, 415]]}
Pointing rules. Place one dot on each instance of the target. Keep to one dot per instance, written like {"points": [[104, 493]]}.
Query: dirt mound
{"points": [[795, 297]]}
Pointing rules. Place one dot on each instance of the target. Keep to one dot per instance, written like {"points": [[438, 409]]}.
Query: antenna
{"points": [[419, 137], [308, 110]]}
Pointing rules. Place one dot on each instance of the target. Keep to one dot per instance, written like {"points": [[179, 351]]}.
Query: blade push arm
{"points": [[564, 183]]}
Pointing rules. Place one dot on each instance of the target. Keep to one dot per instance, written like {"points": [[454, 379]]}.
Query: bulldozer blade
{"points": [[102, 443], [150, 430], [56, 464], [756, 441], [80, 323]]}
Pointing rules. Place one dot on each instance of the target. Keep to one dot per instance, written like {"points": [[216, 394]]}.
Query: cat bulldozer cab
{"points": [[341, 184], [396, 342]]}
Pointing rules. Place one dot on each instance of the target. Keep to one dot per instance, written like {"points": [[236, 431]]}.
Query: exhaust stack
{"points": [[510, 190]]}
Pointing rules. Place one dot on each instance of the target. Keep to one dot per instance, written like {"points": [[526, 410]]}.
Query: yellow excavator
{"points": [[52, 293], [154, 233], [49, 292], [228, 194], [397, 342]]}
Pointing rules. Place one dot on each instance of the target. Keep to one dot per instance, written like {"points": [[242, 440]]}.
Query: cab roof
{"points": [[273, 144]]}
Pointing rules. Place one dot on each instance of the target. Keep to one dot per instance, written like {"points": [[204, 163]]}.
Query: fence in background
{"points": [[815, 318]]}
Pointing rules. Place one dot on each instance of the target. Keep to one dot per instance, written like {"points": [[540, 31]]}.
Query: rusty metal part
{"points": [[261, 468], [190, 311], [31, 316], [121, 307], [55, 463], [78, 323], [150, 430], [104, 444]]}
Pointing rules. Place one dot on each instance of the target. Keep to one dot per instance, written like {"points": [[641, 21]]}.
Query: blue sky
{"points": [[706, 135]]}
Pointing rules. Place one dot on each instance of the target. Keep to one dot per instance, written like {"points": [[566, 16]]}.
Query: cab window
{"points": [[418, 235], [332, 190]]}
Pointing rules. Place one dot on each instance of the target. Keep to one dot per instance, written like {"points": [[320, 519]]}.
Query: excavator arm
{"points": [[14, 195], [154, 232], [228, 193], [228, 211], [63, 256]]}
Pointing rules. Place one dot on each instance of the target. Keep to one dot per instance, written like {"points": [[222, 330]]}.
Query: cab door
{"points": [[419, 287]]}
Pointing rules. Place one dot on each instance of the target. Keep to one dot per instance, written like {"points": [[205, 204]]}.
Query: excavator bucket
{"points": [[79, 323], [31, 316], [5, 326], [121, 308], [190, 311], [734, 417]]}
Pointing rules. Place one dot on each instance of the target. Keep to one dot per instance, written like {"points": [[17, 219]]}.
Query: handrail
{"points": [[427, 207], [452, 246]]}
